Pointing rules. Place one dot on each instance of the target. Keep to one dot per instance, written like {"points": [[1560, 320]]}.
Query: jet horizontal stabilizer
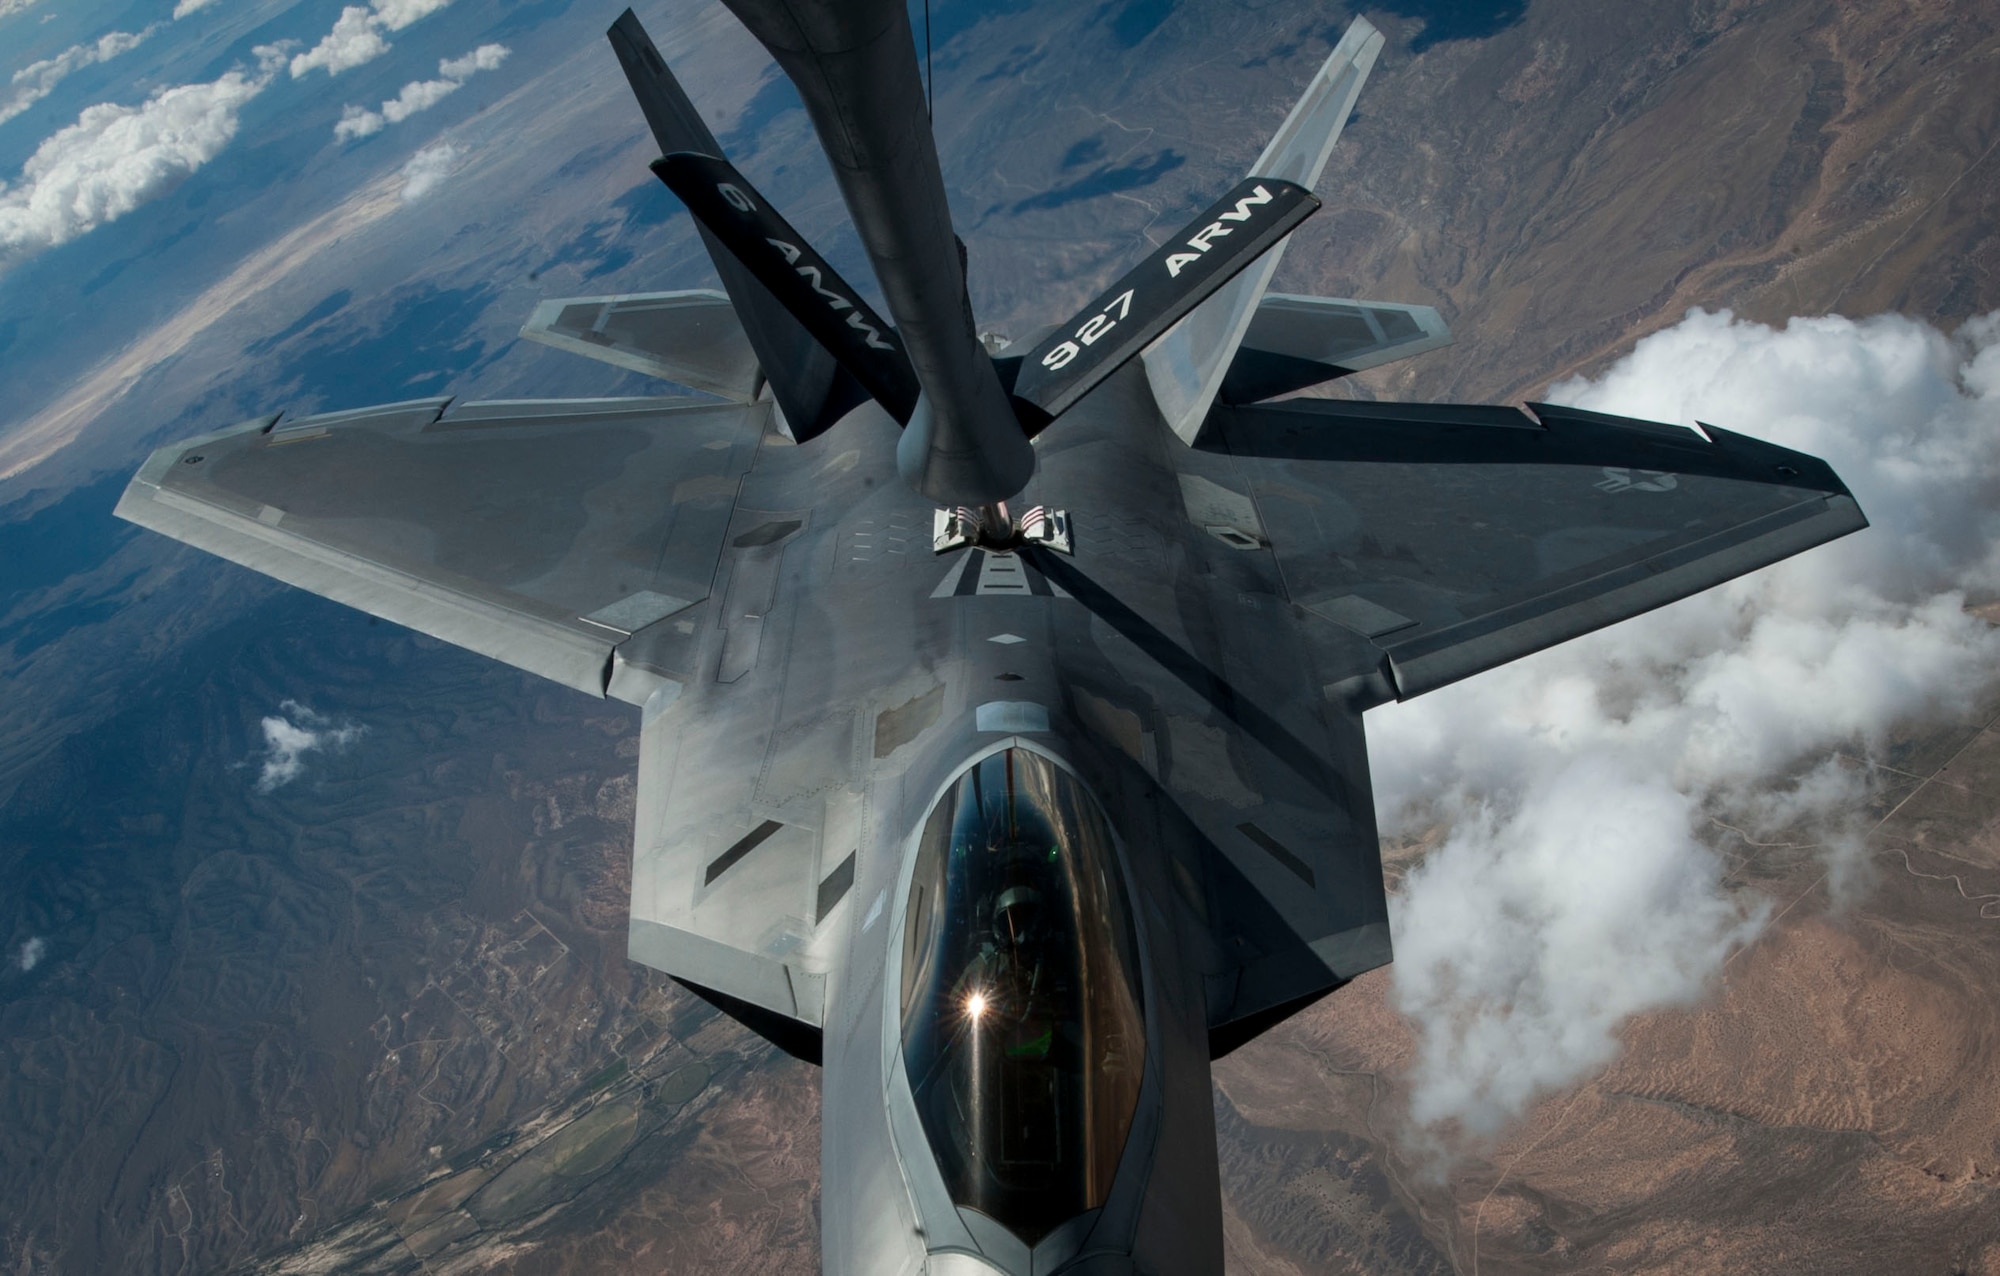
{"points": [[1294, 342], [1155, 295], [724, 202], [693, 337]]}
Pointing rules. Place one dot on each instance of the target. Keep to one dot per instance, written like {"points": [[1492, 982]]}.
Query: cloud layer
{"points": [[353, 41], [37, 80], [397, 14], [1577, 885], [291, 734], [29, 954], [419, 95], [428, 169], [115, 158], [357, 34]]}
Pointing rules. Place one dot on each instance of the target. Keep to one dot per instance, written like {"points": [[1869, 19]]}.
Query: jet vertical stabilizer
{"points": [[811, 388], [1186, 367]]}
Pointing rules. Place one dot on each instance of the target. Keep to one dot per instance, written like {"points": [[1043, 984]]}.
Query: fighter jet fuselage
{"points": [[1031, 950]]}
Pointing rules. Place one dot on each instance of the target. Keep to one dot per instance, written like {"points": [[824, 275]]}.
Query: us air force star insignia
{"points": [[1619, 479]]}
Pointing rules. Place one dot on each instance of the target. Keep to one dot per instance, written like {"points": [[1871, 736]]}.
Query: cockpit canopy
{"points": [[1023, 1023]]}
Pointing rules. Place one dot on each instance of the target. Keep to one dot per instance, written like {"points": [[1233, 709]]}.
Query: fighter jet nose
{"points": [[957, 1263], [965, 1265]]}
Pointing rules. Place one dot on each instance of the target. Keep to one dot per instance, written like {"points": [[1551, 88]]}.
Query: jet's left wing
{"points": [[1453, 538], [541, 533]]}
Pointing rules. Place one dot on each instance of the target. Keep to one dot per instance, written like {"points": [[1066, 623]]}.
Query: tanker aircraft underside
{"points": [[1002, 741]]}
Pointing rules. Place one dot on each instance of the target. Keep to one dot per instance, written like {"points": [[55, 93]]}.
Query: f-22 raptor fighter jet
{"points": [[1002, 743]]}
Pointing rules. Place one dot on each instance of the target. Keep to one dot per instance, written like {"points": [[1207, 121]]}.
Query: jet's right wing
{"points": [[546, 534], [1456, 538]]}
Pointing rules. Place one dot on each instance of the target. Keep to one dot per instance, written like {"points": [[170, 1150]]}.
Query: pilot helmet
{"points": [[1014, 913]]}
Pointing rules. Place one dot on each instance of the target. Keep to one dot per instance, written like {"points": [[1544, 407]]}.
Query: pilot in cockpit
{"points": [[1006, 988]]}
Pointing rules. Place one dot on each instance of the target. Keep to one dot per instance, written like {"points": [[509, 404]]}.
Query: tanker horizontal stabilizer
{"points": [[826, 305], [1206, 254]]}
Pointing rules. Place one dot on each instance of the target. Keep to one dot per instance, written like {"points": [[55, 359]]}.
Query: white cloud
{"points": [[294, 732], [394, 15], [427, 170], [1543, 924], [115, 158], [1577, 885], [487, 57], [356, 36], [419, 95], [271, 58], [185, 7], [29, 955], [8, 8], [357, 121], [352, 41], [37, 80]]}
